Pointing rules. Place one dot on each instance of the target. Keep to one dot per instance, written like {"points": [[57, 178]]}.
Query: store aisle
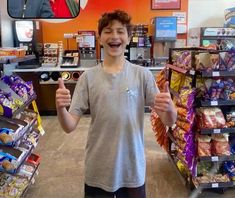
{"points": [[61, 171]]}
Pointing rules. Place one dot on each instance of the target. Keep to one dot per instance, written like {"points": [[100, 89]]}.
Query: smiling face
{"points": [[114, 38]]}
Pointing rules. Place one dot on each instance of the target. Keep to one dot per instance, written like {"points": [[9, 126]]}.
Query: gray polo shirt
{"points": [[115, 146]]}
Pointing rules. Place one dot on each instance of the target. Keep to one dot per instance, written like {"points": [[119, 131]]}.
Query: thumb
{"points": [[166, 87], [61, 83]]}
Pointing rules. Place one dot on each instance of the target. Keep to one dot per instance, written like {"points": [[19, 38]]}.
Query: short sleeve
{"points": [[151, 88], [80, 99]]}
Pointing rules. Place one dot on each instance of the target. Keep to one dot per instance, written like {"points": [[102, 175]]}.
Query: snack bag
{"points": [[220, 144], [203, 145]]}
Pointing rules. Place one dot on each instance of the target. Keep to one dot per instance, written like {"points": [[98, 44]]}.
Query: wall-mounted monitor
{"points": [[165, 28], [24, 30]]}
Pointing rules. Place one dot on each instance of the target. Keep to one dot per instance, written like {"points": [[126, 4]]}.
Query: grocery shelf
{"points": [[217, 158], [21, 59], [27, 103], [217, 131], [181, 70], [30, 181], [214, 185], [217, 73], [181, 176], [20, 160], [217, 103]]}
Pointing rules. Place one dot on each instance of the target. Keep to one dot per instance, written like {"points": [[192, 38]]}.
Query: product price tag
{"points": [[216, 131], [215, 159], [214, 103], [215, 74], [192, 72], [215, 185]]}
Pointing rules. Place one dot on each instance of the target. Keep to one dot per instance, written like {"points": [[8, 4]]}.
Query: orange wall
{"points": [[140, 10]]}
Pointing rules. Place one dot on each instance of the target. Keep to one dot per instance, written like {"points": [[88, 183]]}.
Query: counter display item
{"points": [[75, 76], [70, 59], [14, 93], [204, 130], [65, 75]]}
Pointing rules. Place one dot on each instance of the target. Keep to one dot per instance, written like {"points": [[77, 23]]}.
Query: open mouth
{"points": [[114, 45]]}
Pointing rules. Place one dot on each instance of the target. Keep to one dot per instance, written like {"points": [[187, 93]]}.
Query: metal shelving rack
{"points": [[9, 60], [188, 179]]}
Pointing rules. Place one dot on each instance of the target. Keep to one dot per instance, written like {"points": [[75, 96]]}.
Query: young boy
{"points": [[116, 93]]}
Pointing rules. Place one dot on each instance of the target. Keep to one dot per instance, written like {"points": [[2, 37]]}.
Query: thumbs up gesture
{"points": [[63, 97], [163, 102]]}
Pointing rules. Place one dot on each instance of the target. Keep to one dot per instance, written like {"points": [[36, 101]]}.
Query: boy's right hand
{"points": [[63, 97]]}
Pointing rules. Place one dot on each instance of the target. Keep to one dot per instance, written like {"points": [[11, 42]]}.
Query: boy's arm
{"points": [[67, 120], [165, 107]]}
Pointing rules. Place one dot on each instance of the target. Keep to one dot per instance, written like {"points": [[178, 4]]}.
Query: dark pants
{"points": [[93, 192]]}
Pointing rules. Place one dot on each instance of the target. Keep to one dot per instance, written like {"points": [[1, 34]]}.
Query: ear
{"points": [[99, 40]]}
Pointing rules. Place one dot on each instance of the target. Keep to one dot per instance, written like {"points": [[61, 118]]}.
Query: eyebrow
{"points": [[109, 28]]}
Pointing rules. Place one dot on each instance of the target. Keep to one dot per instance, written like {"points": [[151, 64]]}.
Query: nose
{"points": [[114, 34]]}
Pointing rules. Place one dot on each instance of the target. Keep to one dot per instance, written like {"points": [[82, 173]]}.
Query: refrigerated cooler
{"points": [[212, 37]]}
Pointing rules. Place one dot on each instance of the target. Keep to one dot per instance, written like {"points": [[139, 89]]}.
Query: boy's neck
{"points": [[113, 65]]}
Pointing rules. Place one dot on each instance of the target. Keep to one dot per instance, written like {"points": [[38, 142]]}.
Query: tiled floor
{"points": [[61, 171]]}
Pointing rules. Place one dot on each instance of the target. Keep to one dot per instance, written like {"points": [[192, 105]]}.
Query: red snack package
{"points": [[211, 118], [220, 144]]}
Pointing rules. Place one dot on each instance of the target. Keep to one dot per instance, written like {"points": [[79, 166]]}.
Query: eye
{"points": [[121, 31]]}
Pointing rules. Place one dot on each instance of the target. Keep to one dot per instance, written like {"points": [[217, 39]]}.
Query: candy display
{"points": [[204, 60], [9, 103], [12, 186], [21, 88], [220, 89], [203, 90]]}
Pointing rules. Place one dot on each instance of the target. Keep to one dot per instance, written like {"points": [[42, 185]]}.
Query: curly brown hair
{"points": [[118, 15]]}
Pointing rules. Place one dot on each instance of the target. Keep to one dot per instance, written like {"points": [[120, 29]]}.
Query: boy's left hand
{"points": [[163, 101]]}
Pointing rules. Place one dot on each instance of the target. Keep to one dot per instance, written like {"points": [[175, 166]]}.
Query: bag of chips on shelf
{"points": [[184, 60], [179, 133], [176, 79], [227, 59], [229, 168], [204, 167], [206, 61], [161, 78], [230, 118], [186, 97], [211, 117], [203, 145], [159, 130], [185, 125], [185, 114], [220, 144]]}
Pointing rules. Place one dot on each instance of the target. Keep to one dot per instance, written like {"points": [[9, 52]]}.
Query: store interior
{"points": [[189, 43]]}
